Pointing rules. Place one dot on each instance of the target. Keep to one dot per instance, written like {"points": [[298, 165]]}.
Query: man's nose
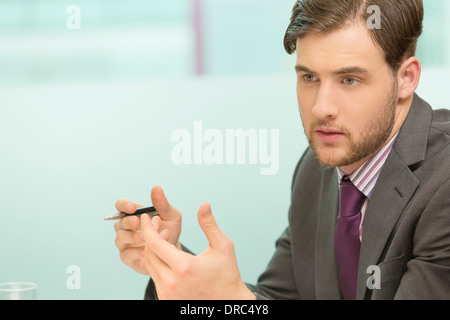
{"points": [[325, 107]]}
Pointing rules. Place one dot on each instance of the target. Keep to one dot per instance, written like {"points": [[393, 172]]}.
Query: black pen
{"points": [[150, 210]]}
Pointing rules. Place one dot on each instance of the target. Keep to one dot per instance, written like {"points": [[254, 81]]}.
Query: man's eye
{"points": [[309, 78], [350, 81]]}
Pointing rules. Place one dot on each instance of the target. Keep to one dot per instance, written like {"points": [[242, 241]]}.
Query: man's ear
{"points": [[408, 77]]}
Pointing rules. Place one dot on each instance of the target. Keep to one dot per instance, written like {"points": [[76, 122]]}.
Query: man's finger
{"points": [[217, 239], [127, 223], [157, 268], [165, 209], [167, 252], [127, 206], [156, 221], [131, 223], [128, 238]]}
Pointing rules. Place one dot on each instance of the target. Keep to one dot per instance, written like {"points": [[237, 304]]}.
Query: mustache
{"points": [[330, 125]]}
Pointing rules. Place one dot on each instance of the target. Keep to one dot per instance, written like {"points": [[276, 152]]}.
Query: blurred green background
{"points": [[86, 117]]}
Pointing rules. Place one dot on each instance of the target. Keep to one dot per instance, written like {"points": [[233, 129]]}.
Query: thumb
{"points": [[161, 204], [217, 239]]}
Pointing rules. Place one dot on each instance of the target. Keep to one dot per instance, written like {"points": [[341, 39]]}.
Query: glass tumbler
{"points": [[18, 291]]}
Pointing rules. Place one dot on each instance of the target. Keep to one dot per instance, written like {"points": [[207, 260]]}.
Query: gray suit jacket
{"points": [[406, 231]]}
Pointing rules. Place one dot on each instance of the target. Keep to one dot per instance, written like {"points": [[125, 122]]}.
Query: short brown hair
{"points": [[401, 23]]}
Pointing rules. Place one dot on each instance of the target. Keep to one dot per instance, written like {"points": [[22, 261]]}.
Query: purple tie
{"points": [[346, 241]]}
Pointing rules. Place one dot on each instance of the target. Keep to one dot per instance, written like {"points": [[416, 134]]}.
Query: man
{"points": [[370, 209]]}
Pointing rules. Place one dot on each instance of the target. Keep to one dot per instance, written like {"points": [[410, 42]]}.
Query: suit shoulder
{"points": [[439, 136], [441, 121], [436, 164]]}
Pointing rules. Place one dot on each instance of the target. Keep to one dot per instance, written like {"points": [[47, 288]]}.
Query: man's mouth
{"points": [[329, 135]]}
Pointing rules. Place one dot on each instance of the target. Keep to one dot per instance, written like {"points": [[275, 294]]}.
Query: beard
{"points": [[370, 141]]}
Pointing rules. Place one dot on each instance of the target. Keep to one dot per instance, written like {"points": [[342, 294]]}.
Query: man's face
{"points": [[347, 96]]}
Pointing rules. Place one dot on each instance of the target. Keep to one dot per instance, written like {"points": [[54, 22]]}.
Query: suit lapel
{"points": [[384, 210], [394, 188], [327, 286]]}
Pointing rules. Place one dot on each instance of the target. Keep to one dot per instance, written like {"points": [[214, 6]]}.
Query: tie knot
{"points": [[350, 198]]}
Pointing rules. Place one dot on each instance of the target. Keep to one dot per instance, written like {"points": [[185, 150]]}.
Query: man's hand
{"points": [[129, 239], [179, 275]]}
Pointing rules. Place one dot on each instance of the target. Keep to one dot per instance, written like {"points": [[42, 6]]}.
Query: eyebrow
{"points": [[346, 70]]}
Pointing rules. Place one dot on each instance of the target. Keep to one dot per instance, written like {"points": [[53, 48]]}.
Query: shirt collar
{"points": [[365, 177]]}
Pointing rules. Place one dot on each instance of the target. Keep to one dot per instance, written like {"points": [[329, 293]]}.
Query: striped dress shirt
{"points": [[366, 176]]}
